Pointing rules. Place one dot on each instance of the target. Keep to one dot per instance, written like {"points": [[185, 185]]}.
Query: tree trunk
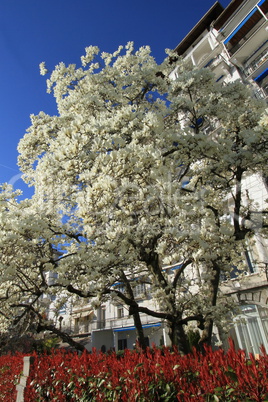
{"points": [[179, 338], [206, 335], [133, 310], [208, 325], [139, 330]]}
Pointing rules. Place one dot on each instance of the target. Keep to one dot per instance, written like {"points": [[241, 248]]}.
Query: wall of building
{"points": [[235, 46]]}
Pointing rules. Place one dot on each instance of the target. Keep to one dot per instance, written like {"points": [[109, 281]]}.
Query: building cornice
{"points": [[204, 23]]}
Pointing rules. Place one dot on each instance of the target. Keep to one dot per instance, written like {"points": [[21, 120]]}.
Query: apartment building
{"points": [[111, 326], [233, 43]]}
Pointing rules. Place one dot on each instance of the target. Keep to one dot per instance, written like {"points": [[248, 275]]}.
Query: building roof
{"points": [[216, 14], [227, 13], [211, 15]]}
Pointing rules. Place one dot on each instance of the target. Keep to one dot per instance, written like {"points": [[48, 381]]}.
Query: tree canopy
{"points": [[133, 175]]}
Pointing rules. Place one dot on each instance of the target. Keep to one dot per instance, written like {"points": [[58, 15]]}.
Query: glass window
{"points": [[120, 312], [122, 344], [251, 328], [139, 290]]}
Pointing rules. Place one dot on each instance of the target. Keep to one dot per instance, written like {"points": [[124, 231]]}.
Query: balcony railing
{"points": [[81, 328], [119, 322], [234, 46], [256, 63], [261, 93]]}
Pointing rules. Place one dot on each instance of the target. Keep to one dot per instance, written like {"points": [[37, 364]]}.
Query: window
{"points": [[139, 290], [251, 328], [250, 261], [249, 254], [101, 318], [122, 344], [63, 309], [120, 311]]}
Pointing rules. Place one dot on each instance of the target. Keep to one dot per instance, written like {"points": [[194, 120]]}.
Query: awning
{"points": [[158, 324], [261, 76], [82, 314], [240, 25]]}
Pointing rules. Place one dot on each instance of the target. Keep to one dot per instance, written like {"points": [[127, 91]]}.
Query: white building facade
{"points": [[233, 43], [111, 326]]}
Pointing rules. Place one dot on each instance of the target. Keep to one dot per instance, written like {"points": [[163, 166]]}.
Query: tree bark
{"points": [[134, 310], [208, 325], [179, 338], [139, 330]]}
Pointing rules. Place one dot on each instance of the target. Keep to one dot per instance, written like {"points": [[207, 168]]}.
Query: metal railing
{"points": [[256, 63]]}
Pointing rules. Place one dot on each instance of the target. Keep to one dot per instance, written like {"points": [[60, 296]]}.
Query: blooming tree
{"points": [[129, 185]]}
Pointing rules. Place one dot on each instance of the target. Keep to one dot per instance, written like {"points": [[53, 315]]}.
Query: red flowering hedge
{"points": [[157, 375], [10, 369]]}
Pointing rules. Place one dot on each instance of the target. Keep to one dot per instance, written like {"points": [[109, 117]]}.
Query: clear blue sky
{"points": [[32, 31]]}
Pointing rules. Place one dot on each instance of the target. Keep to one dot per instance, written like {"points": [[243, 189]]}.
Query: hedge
{"points": [[10, 369], [157, 375]]}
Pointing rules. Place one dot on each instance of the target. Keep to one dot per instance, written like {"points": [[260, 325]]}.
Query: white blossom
{"points": [[126, 182]]}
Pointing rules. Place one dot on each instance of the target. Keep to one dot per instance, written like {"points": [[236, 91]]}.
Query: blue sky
{"points": [[32, 31]]}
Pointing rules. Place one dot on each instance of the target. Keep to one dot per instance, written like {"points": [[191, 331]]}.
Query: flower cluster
{"points": [[127, 182]]}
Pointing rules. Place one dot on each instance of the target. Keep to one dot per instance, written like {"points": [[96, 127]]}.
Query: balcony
{"points": [[81, 328], [206, 49], [253, 23], [124, 322], [257, 63], [261, 93]]}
